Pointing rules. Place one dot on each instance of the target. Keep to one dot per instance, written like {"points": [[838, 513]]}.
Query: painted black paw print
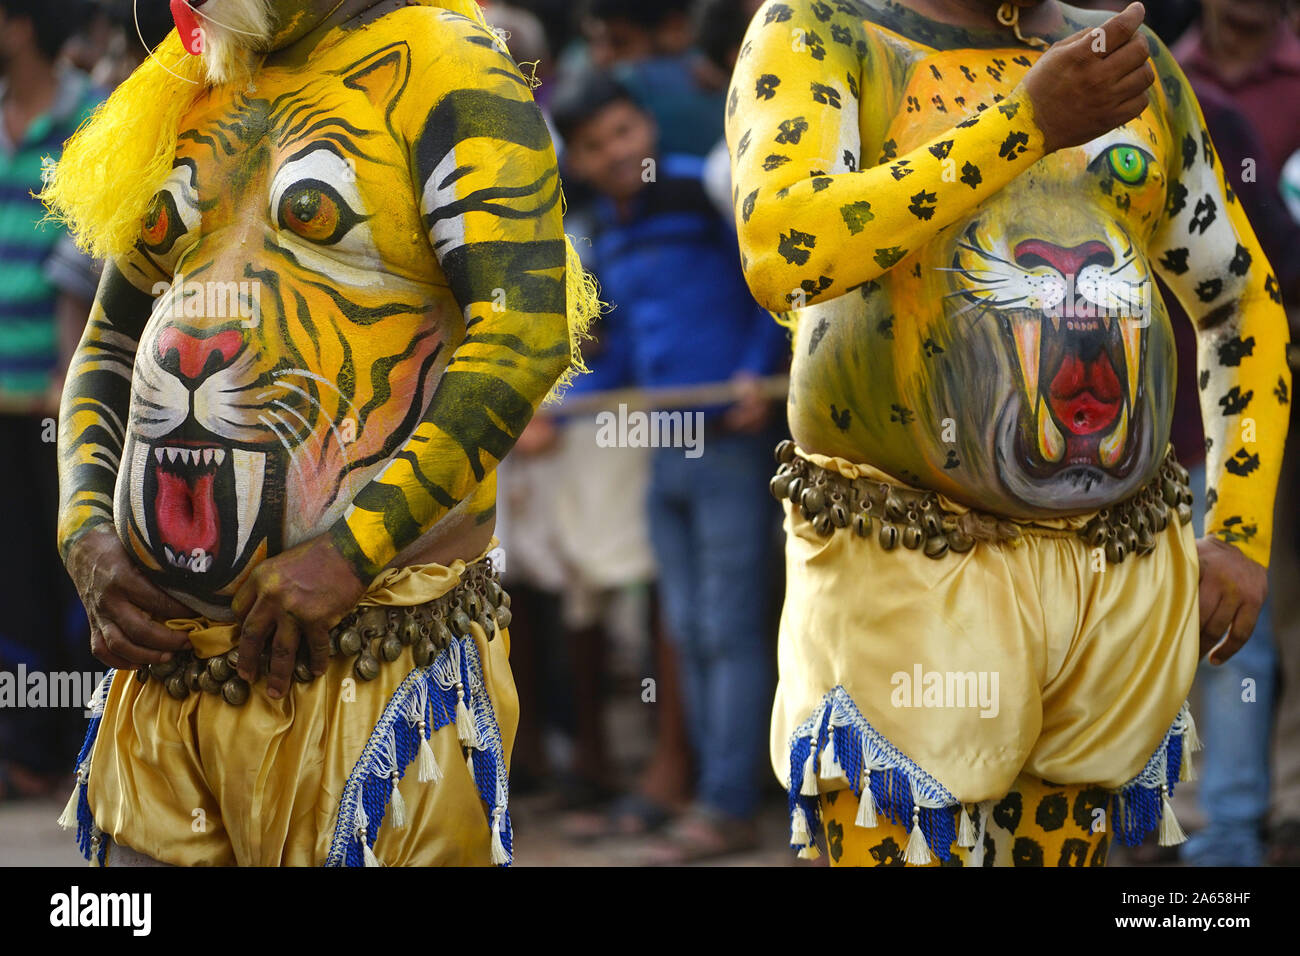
{"points": [[1272, 288], [888, 258], [901, 415], [1240, 264], [777, 13], [842, 418], [1242, 464], [1013, 146], [765, 89], [887, 853], [1190, 150], [1175, 260], [937, 102], [835, 840], [814, 44], [939, 150], [826, 95], [932, 348], [913, 105], [775, 161], [857, 215], [922, 205], [952, 461], [792, 131], [1177, 199], [818, 334], [1009, 110], [795, 247], [901, 169], [1234, 403], [885, 327], [1206, 212], [971, 176], [1235, 349], [1281, 391]]}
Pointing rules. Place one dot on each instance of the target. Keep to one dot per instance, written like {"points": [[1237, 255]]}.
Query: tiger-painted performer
{"points": [[995, 602], [337, 289]]}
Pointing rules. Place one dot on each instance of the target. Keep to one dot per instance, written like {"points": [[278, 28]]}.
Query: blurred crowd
{"points": [[646, 581]]}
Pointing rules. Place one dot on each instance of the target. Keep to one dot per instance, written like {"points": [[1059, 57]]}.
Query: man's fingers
{"points": [[121, 647], [144, 631], [284, 653], [1135, 84], [1220, 620], [99, 648], [1131, 56], [318, 642], [1243, 625], [1123, 25], [154, 600], [252, 638], [1131, 109]]}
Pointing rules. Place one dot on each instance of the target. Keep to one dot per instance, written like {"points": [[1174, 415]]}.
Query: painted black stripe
{"points": [[466, 114], [477, 270], [480, 201]]}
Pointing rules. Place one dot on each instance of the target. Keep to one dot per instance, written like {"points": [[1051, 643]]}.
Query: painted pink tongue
{"points": [[187, 26], [187, 512]]}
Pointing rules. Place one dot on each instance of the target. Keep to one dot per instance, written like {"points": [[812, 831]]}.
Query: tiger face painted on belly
{"points": [[342, 307], [976, 316]]}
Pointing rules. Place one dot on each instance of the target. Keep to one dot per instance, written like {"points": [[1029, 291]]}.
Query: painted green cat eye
{"points": [[1129, 164]]}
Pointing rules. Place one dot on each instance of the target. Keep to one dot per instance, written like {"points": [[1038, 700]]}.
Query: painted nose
{"points": [[1068, 262], [188, 356]]}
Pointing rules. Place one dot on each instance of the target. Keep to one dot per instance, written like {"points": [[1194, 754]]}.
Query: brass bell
{"points": [[1184, 513], [503, 617], [1129, 538], [423, 652], [895, 507], [779, 486], [505, 598], [390, 648], [785, 451], [1170, 492], [142, 675], [1181, 473], [177, 687], [235, 691], [912, 537], [220, 669], [494, 593], [960, 542], [460, 622], [1115, 551], [302, 673], [409, 633], [862, 524], [1146, 540], [473, 604], [1095, 533], [1159, 518], [839, 515], [192, 671], [209, 684], [813, 501], [936, 546], [888, 536], [931, 523], [823, 524], [795, 488], [367, 666], [442, 635], [164, 669], [350, 642]]}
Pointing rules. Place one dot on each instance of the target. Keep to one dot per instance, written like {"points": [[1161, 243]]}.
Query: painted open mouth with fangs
{"points": [[1080, 378], [197, 504]]}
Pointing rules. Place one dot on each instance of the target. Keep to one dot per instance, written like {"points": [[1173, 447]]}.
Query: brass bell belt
{"points": [[917, 519], [369, 634]]}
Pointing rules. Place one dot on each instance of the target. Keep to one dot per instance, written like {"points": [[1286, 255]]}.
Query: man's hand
{"points": [[1233, 589], [1090, 83], [124, 608], [752, 409], [298, 594]]}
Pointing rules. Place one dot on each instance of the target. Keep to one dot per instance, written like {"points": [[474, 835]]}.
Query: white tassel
{"points": [[469, 763], [918, 851], [464, 725], [831, 768], [399, 805], [499, 856], [810, 852], [1186, 770], [1171, 834], [68, 818], [809, 788], [866, 817], [965, 829], [799, 835], [96, 841], [427, 770], [1191, 739], [371, 859]]}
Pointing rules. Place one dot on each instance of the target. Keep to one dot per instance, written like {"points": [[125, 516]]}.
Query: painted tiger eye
{"points": [[1129, 164]]}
